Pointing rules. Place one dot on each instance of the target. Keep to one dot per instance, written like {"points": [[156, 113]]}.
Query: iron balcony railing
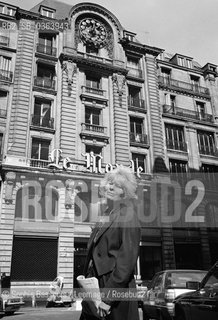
{"points": [[94, 128], [6, 75], [3, 113], [94, 58], [176, 145], [91, 90], [177, 84], [138, 138], [136, 102], [41, 121], [137, 73], [44, 82], [39, 163], [208, 150], [168, 109], [51, 51], [4, 41]]}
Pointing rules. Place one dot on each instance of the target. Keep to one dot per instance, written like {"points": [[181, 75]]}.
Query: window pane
{"points": [[44, 150]]}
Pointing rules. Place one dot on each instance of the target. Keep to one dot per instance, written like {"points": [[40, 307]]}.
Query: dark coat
{"points": [[114, 251]]}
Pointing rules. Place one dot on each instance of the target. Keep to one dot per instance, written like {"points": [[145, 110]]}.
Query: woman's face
{"points": [[113, 191]]}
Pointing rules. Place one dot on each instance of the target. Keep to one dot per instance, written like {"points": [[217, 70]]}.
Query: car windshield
{"points": [[179, 279]]}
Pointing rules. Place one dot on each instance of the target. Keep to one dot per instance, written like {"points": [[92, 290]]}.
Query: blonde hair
{"points": [[124, 177]]}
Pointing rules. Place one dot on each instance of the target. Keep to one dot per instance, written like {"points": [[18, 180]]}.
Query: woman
{"points": [[113, 249]]}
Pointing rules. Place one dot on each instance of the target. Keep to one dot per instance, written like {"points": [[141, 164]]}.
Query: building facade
{"points": [[80, 95]]}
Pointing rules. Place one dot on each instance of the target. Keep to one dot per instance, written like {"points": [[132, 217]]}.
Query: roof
{"points": [[62, 9]]}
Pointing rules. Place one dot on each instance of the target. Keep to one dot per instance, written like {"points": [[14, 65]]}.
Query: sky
{"points": [[188, 27]]}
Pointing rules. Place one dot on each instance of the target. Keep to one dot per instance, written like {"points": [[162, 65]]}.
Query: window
{"points": [[42, 113], [206, 142], [10, 11], [48, 203], [181, 62], [40, 149], [136, 130], [133, 62], [201, 109], [195, 83], [92, 50], [189, 63], [45, 76], [139, 161], [92, 116], [47, 12], [166, 75], [92, 82], [134, 98], [2, 8], [46, 44], [210, 175], [175, 137], [3, 103], [178, 169], [5, 68], [96, 151]]}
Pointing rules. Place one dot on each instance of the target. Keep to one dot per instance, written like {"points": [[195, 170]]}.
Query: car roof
{"points": [[179, 271]]}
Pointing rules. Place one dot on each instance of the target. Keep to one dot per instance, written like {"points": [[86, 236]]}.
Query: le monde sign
{"points": [[93, 163]]}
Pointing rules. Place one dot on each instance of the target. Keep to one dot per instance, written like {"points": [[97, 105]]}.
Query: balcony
{"points": [[42, 122], [45, 83], [136, 104], [91, 90], [136, 73], [171, 110], [6, 75], [38, 163], [51, 51], [95, 58], [4, 41], [182, 86], [3, 113], [138, 139], [94, 128], [208, 151], [176, 145]]}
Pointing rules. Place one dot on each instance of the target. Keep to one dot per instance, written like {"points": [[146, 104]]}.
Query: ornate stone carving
{"points": [[10, 178], [70, 69], [119, 80]]}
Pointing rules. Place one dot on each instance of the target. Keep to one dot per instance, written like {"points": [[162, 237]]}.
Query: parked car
{"points": [[201, 304], [164, 288], [9, 304]]}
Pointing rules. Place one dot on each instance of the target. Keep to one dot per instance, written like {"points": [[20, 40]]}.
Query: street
{"points": [[44, 313], [40, 313]]}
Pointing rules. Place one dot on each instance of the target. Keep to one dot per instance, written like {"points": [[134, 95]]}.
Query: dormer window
{"points": [[129, 35], [10, 11], [47, 12], [184, 62], [7, 10]]}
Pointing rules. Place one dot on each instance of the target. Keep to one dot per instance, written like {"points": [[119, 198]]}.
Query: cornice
{"points": [[176, 66], [140, 48], [96, 9], [91, 63]]}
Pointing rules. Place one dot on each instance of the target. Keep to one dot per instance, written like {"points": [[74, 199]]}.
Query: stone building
{"points": [[79, 94]]}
